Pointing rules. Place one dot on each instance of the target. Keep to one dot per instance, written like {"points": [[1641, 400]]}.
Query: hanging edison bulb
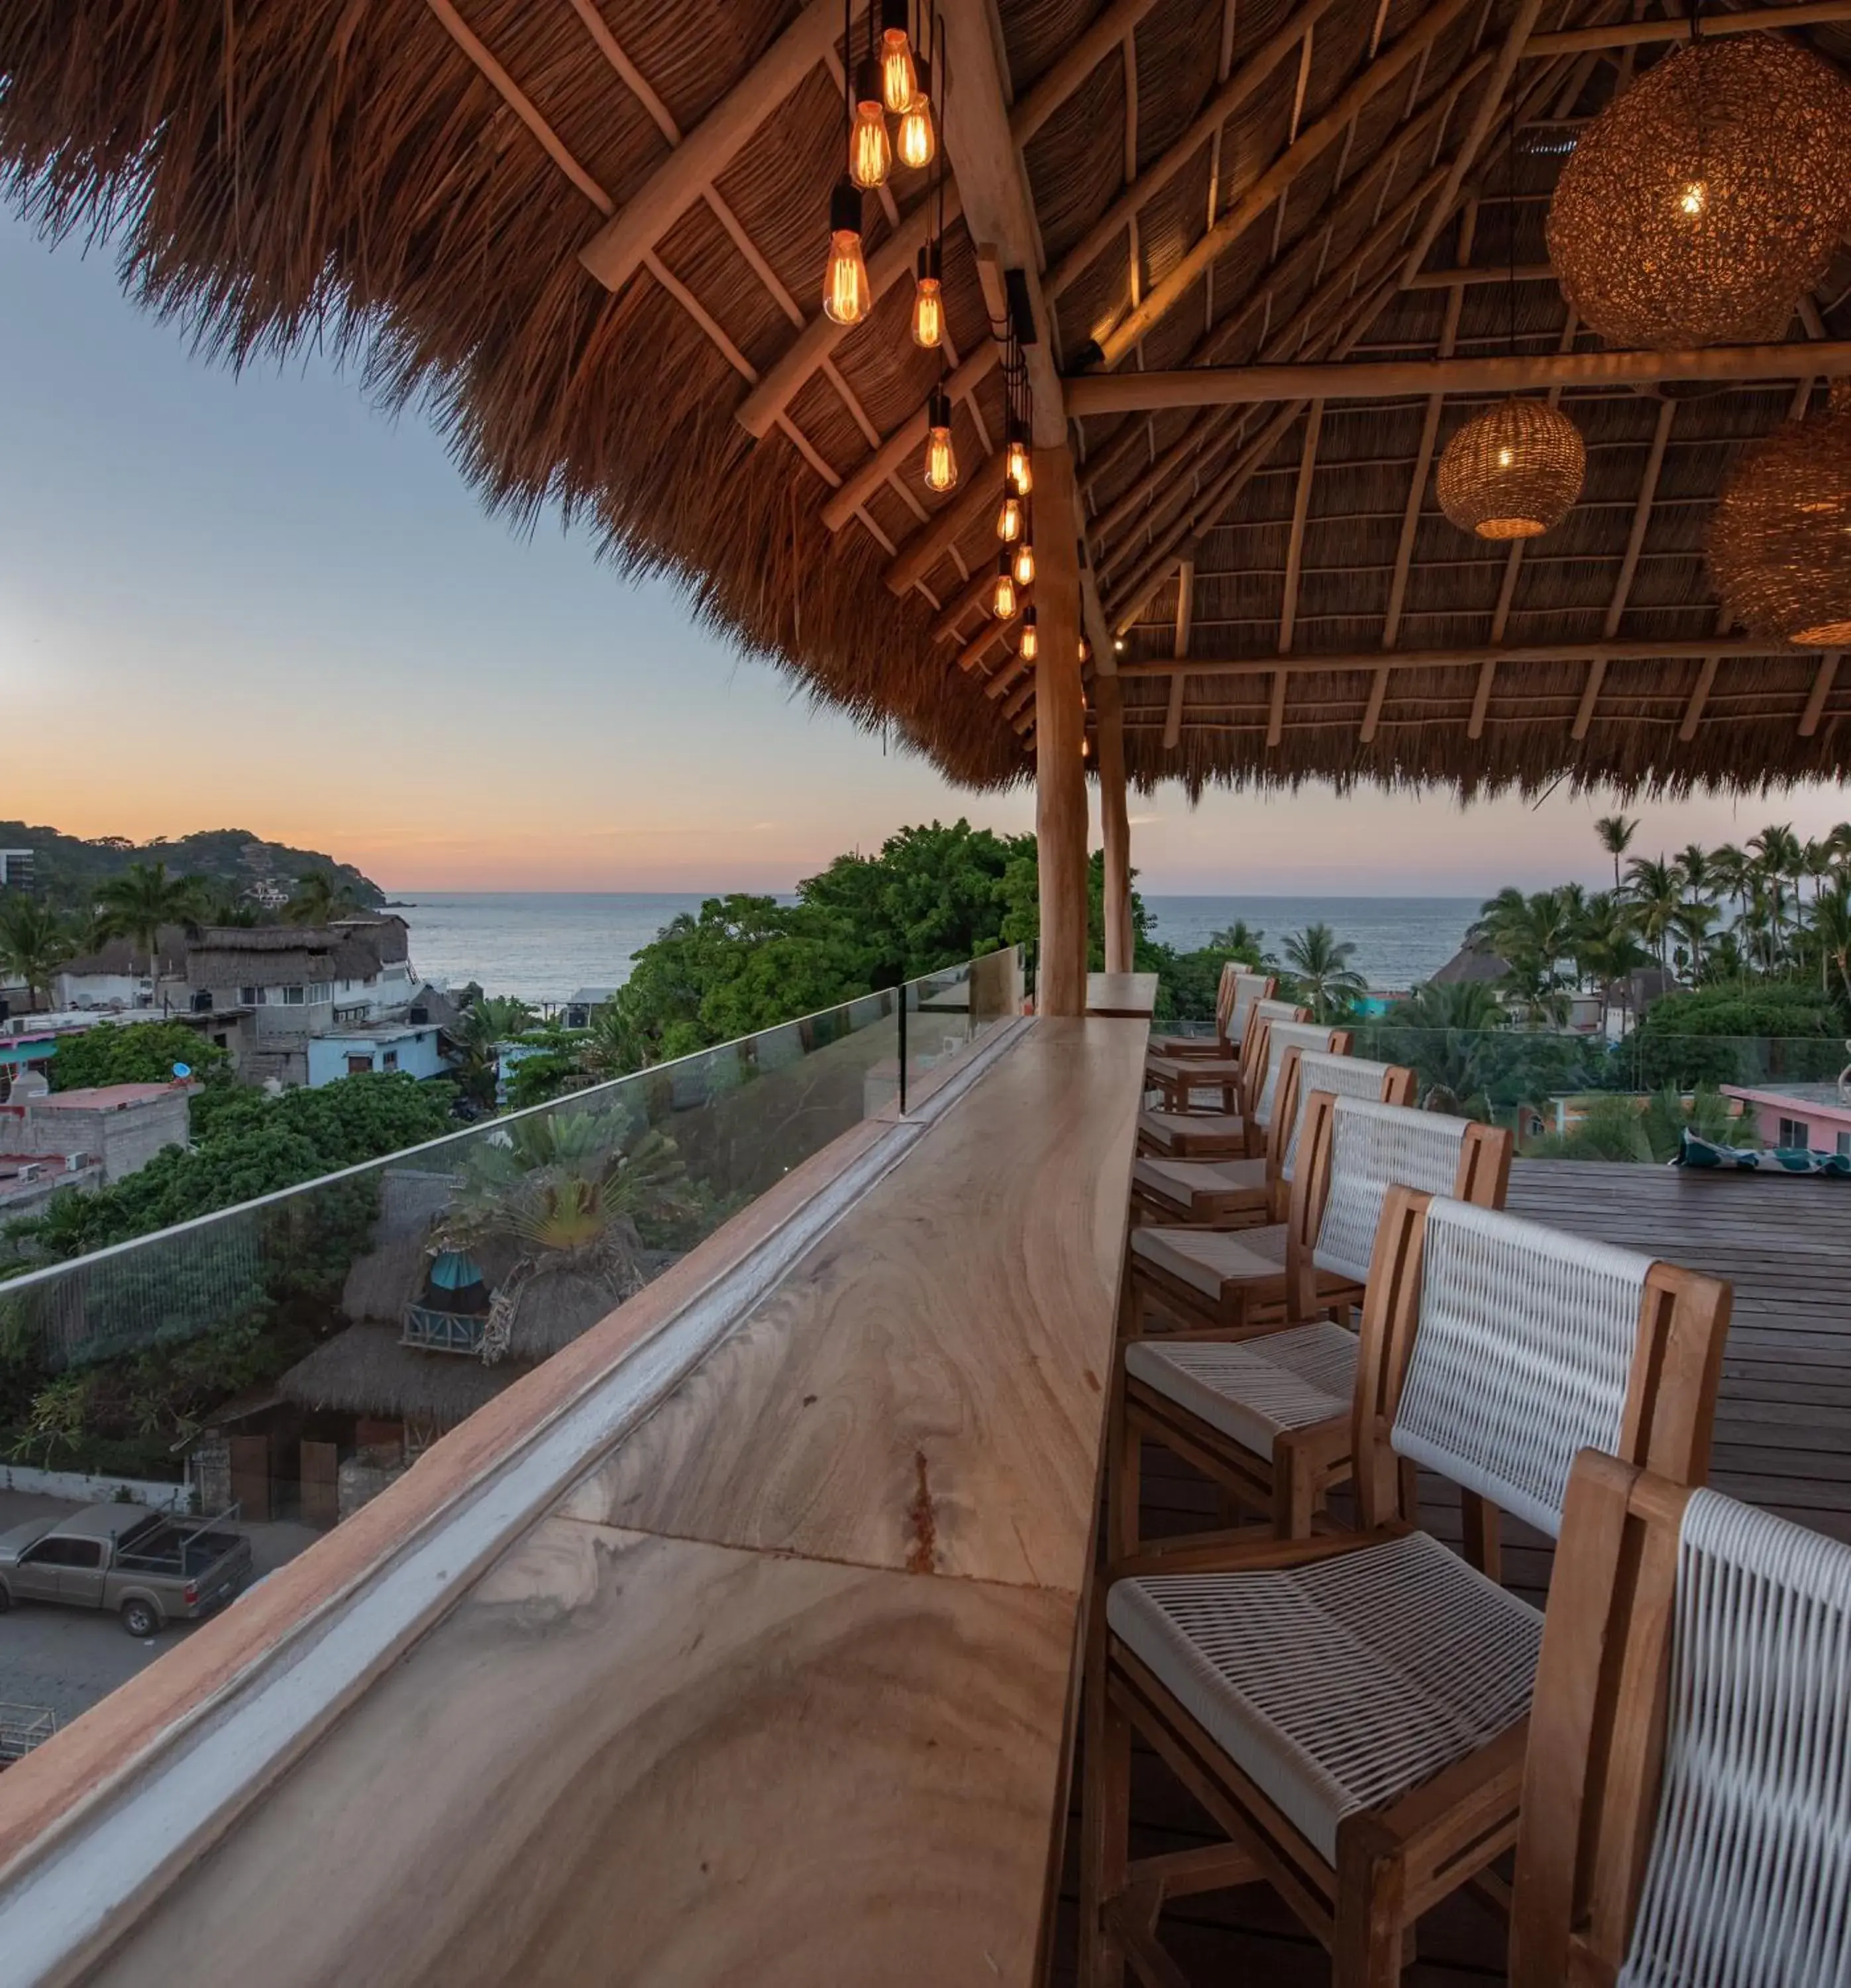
{"points": [[899, 77], [1085, 650], [871, 155], [941, 458], [1016, 466], [917, 140], [1002, 600], [846, 299], [1029, 646], [1009, 519], [928, 301], [1024, 564]]}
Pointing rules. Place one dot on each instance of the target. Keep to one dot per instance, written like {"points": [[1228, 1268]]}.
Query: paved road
{"points": [[67, 1658]]}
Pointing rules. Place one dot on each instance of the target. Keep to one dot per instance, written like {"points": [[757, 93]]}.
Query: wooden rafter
{"points": [[1278, 179], [616, 253], [1633, 34], [1822, 681], [1232, 385], [1185, 610], [1491, 99], [889, 457], [1301, 513], [1252, 76], [1629, 564]]}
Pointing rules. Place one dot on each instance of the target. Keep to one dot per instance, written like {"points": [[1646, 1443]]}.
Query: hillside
{"points": [[68, 869]]}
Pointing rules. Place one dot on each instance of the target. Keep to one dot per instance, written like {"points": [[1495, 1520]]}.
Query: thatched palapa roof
{"points": [[364, 1371], [592, 232]]}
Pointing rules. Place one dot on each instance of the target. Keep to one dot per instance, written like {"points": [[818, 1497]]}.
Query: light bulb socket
{"points": [[845, 207], [938, 409], [867, 81], [897, 17], [922, 69]]}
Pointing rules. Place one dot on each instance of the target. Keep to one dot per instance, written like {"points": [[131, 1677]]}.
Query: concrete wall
{"points": [[124, 1139], [418, 1055]]}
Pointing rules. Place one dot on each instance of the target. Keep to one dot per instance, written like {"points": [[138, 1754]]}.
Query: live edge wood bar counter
{"points": [[778, 1689]]}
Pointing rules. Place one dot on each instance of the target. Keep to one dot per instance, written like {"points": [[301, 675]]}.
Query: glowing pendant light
{"points": [[1009, 519], [1512, 471], [941, 458], [1002, 600], [1024, 564], [928, 301], [1017, 468], [1029, 646], [917, 140], [846, 296], [871, 155], [899, 77]]}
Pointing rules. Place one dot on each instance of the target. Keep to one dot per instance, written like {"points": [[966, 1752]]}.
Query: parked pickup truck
{"points": [[149, 1569]]}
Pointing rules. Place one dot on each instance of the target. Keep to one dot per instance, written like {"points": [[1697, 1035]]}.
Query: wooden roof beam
{"points": [[1398, 379], [616, 253], [1490, 101], [1462, 279], [1278, 179], [1252, 75], [1632, 33], [1629, 564], [1821, 689], [1682, 650]]}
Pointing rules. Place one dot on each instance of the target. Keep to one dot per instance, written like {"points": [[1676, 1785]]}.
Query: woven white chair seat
{"points": [[1179, 1181], [1210, 1259], [1340, 1685], [1166, 1129], [1750, 1871], [1252, 1391]]}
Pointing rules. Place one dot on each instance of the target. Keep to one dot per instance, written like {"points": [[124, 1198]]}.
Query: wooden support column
{"points": [[1114, 823], [1060, 772]]}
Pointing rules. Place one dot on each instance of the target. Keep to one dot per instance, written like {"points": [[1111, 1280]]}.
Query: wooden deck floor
{"points": [[1783, 1440]]}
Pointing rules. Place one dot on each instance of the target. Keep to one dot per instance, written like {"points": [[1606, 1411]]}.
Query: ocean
{"points": [[545, 945]]}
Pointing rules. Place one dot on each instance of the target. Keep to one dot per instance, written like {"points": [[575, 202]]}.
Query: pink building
{"points": [[1816, 1116]]}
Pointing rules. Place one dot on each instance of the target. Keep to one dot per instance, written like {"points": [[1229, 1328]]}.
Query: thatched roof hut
{"points": [[591, 234], [364, 1371], [390, 1276]]}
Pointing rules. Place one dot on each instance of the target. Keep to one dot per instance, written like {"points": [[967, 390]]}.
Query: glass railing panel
{"points": [[332, 1330]]}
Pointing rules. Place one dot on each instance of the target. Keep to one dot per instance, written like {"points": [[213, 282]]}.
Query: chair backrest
{"points": [[1495, 1350], [1235, 999], [1342, 1076], [1686, 1797], [1285, 1040], [1261, 1017], [1355, 1149]]}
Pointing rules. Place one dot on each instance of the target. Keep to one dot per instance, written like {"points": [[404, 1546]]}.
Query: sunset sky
{"points": [[257, 602]]}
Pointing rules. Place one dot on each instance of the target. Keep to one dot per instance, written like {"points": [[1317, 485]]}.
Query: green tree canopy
{"points": [[133, 1053]]}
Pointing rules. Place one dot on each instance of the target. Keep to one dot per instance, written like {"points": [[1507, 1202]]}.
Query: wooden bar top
{"points": [[780, 1691], [1131, 994]]}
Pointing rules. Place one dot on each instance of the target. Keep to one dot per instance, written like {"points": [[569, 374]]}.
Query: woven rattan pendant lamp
{"points": [[1780, 542], [1516, 469], [1699, 206]]}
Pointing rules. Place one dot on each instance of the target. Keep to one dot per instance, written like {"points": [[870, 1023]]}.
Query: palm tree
{"points": [[144, 899], [34, 943], [1656, 893], [1692, 864], [1319, 962], [1605, 948], [1533, 935], [1692, 923], [316, 901], [1778, 861], [1831, 929], [1240, 941], [1615, 832]]}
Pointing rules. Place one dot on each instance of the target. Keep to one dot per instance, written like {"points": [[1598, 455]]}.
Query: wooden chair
{"points": [[1238, 1194], [1184, 1133], [1688, 1781], [1179, 1081], [1229, 1286], [1234, 997], [1351, 1711], [1268, 1416]]}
